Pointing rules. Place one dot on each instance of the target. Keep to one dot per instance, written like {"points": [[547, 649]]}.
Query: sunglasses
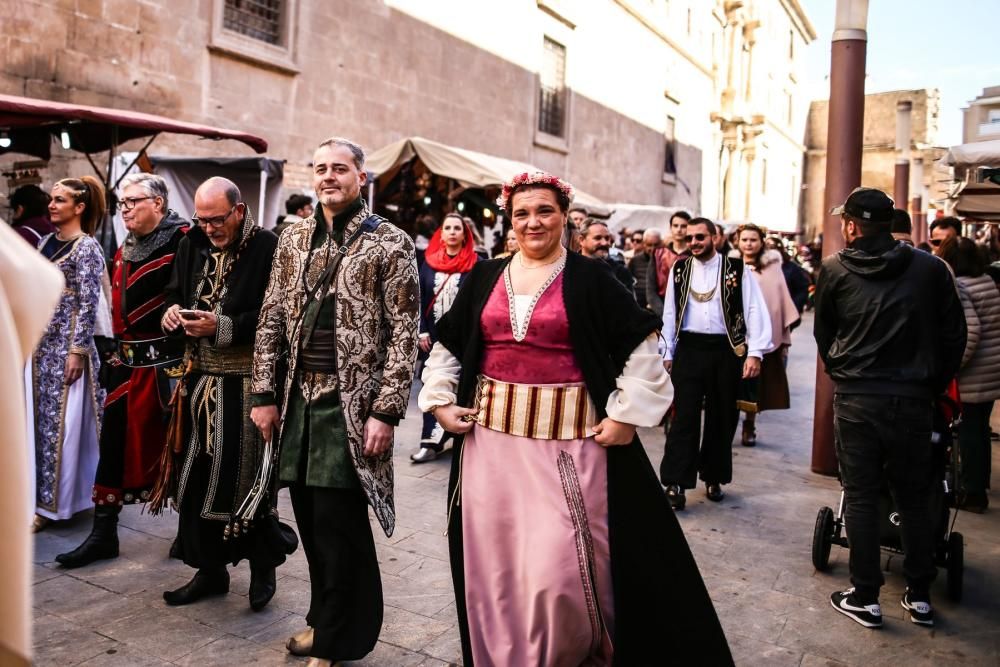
{"points": [[696, 237], [935, 242]]}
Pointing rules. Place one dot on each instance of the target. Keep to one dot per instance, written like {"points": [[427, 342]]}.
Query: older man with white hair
{"points": [[642, 262], [134, 428]]}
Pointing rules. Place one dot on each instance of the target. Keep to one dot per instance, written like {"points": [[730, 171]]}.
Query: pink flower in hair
{"points": [[532, 178]]}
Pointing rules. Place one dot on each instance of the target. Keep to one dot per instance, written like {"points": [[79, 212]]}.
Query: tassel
{"points": [[166, 479]]}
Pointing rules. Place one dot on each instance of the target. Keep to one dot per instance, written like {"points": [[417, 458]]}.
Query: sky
{"points": [[950, 45]]}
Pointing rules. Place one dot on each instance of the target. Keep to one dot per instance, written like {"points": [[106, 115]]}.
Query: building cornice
{"points": [[799, 19], [629, 6]]}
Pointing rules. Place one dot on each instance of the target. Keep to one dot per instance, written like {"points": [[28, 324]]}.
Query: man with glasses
{"points": [[664, 258], [138, 382], [213, 303], [944, 229], [716, 330]]}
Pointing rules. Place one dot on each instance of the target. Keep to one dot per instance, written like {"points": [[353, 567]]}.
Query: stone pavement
{"points": [[753, 549]]}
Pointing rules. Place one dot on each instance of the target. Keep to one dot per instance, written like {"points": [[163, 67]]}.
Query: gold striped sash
{"points": [[545, 412]]}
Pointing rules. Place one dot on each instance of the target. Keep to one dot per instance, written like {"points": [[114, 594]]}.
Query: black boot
{"points": [[101, 544], [262, 586], [205, 583]]}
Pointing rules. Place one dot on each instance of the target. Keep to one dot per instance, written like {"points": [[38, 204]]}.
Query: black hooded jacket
{"points": [[888, 320]]}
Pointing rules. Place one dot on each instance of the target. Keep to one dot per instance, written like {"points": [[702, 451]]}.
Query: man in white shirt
{"points": [[716, 331]]}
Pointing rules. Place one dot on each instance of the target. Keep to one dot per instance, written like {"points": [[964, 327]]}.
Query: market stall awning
{"points": [[978, 201], [470, 168], [30, 125], [976, 154]]}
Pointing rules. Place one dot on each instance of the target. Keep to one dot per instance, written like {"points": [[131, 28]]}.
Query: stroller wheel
{"points": [[822, 539], [956, 566]]}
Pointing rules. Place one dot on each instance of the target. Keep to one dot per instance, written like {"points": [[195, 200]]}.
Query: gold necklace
{"points": [[705, 297], [520, 260]]}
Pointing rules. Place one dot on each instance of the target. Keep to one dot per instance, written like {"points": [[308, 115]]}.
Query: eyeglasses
{"points": [[217, 221], [128, 203], [935, 242], [696, 237]]}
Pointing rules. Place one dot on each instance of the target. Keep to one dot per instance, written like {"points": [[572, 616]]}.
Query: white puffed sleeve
{"points": [[440, 377], [641, 398]]}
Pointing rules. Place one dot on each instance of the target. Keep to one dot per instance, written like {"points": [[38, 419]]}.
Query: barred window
{"points": [[552, 93], [670, 148], [258, 19]]}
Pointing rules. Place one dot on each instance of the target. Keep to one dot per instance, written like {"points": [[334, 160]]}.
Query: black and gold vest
{"points": [[731, 288]]}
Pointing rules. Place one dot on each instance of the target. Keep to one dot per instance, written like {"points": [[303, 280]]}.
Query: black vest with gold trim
{"points": [[731, 278]]}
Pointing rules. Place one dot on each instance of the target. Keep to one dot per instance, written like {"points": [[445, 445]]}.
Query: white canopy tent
{"points": [[470, 168]]}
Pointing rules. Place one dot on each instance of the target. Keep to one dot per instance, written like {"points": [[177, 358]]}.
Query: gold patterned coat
{"points": [[377, 317]]}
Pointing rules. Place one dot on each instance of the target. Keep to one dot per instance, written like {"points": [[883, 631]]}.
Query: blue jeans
{"points": [[886, 438]]}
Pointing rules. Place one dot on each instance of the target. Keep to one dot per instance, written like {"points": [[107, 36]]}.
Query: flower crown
{"points": [[532, 178]]}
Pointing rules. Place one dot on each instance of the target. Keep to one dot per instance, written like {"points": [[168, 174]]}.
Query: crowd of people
{"points": [[217, 362]]}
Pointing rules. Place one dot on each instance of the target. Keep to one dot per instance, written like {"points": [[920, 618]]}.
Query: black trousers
{"points": [[345, 607], [706, 373], [886, 438]]}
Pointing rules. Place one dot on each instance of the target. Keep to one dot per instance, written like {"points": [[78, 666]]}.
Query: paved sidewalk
{"points": [[753, 549]]}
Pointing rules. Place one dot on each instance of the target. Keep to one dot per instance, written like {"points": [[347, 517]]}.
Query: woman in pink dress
{"points": [[772, 385], [564, 551]]}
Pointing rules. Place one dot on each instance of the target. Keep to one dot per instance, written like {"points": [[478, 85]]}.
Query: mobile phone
{"points": [[189, 314]]}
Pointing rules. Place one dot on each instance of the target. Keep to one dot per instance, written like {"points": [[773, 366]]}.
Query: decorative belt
{"points": [[150, 352], [223, 360], [319, 354], [563, 412]]}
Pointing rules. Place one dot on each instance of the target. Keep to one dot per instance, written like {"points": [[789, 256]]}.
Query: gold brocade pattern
{"points": [[377, 299]]}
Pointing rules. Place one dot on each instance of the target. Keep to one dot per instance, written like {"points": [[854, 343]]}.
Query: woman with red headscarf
{"points": [[450, 255]]}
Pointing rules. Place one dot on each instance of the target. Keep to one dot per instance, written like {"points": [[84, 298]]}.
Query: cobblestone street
{"points": [[753, 550]]}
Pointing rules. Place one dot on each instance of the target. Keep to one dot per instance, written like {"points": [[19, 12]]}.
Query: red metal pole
{"points": [[845, 127], [901, 183]]}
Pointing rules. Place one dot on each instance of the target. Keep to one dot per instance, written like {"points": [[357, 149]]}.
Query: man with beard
{"points": [[135, 411], [716, 329], [213, 301], [595, 242], [344, 301]]}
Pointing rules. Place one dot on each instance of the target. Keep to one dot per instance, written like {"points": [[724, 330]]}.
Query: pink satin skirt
{"points": [[537, 562]]}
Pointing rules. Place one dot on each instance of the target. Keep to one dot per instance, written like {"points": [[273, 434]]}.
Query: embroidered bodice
{"points": [[545, 355]]}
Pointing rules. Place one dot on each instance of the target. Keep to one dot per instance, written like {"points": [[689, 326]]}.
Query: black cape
{"points": [[663, 614]]}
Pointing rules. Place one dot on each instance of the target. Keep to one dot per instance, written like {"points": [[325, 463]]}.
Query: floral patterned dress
{"points": [[67, 419]]}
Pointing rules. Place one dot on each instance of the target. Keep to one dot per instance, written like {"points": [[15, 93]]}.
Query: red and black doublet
{"points": [[135, 412]]}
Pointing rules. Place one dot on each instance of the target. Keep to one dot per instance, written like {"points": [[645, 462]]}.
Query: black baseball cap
{"points": [[867, 204]]}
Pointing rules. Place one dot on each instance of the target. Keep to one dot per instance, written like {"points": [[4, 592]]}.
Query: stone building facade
{"points": [[677, 103], [981, 119], [879, 150]]}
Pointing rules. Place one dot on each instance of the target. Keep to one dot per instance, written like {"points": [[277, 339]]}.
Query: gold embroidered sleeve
{"points": [[401, 313]]}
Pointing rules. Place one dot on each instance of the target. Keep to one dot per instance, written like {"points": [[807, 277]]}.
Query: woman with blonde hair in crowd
{"points": [[772, 385], [66, 402]]}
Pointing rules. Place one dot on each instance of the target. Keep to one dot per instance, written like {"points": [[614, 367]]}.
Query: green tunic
{"points": [[314, 435]]}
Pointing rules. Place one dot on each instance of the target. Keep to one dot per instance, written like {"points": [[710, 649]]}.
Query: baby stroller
{"points": [[949, 552]]}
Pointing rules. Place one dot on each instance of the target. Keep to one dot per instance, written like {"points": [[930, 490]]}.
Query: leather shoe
{"points": [[714, 492], [675, 494], [205, 583], [262, 587], [301, 644]]}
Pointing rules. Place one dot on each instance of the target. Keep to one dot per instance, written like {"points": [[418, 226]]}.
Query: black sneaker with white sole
{"points": [[868, 615], [921, 611]]}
